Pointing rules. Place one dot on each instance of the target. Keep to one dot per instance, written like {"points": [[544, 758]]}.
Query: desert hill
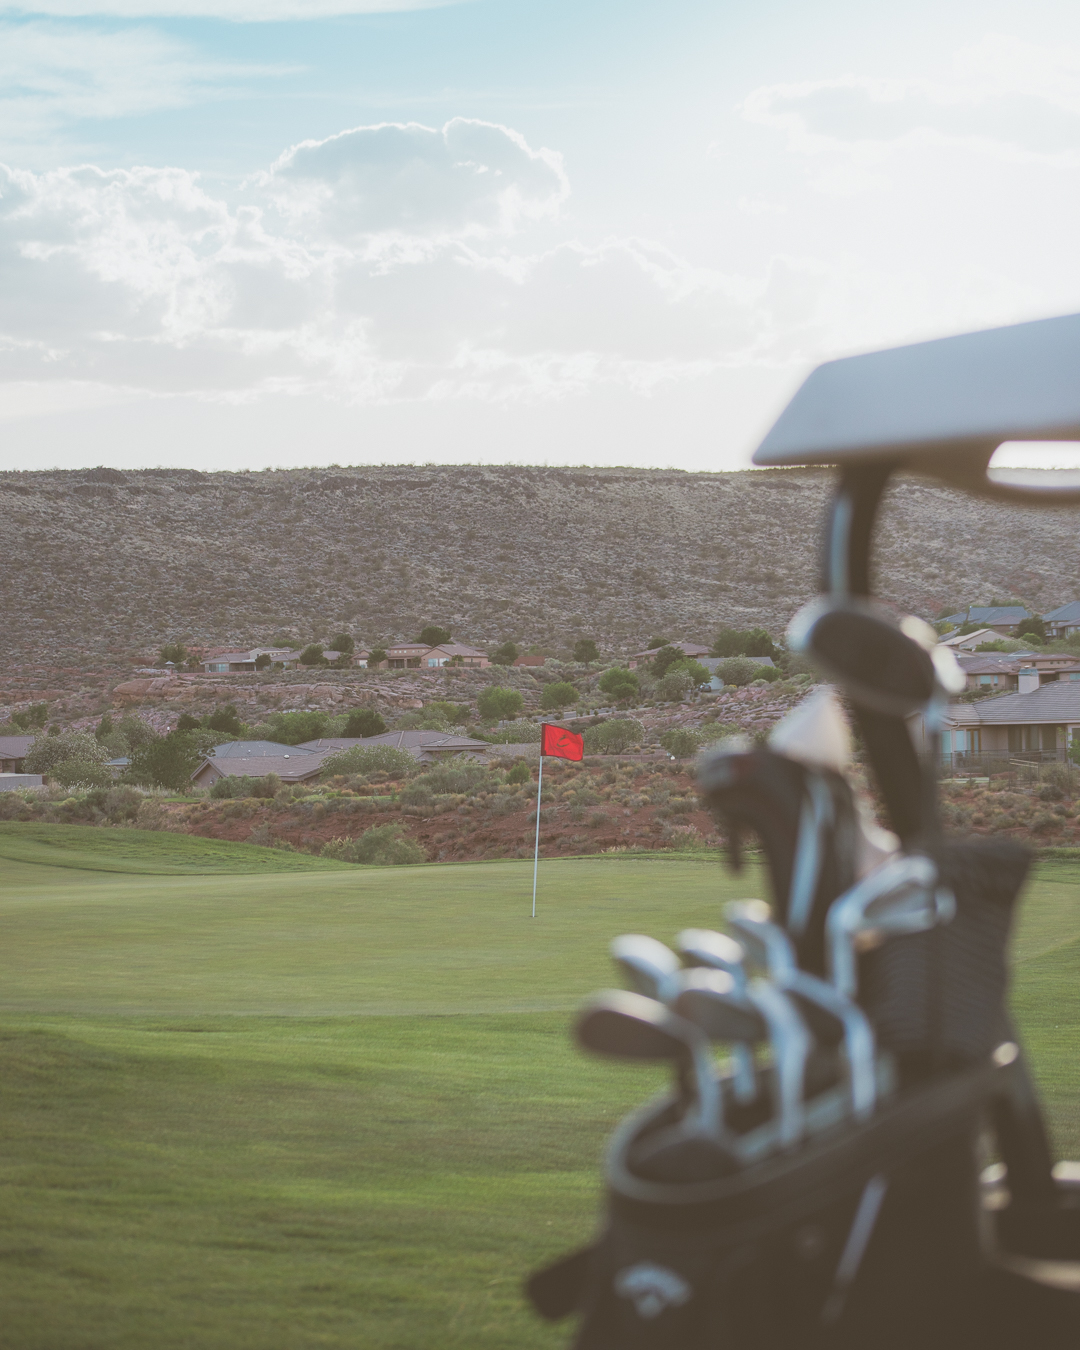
{"points": [[101, 564]]}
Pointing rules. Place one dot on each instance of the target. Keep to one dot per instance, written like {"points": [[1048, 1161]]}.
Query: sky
{"points": [[251, 233]]}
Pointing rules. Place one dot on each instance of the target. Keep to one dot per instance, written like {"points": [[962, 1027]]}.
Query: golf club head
{"points": [[808, 824], [712, 1001], [835, 1020], [647, 964], [765, 943], [717, 951], [791, 1045], [629, 1026]]}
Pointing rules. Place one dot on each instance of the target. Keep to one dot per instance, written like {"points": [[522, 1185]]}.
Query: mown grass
{"points": [[281, 1112], [145, 852]]}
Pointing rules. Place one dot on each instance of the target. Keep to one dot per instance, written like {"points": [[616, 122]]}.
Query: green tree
{"points": [[585, 650], [227, 720], [681, 742], [263, 661], [365, 759], [167, 762], [186, 722], [80, 747], [614, 737], [175, 652], [312, 655], [655, 642], [104, 727], [506, 654], [433, 635], [293, 728], [620, 685], [497, 703], [738, 670], [377, 657], [364, 722], [33, 717], [558, 695], [674, 686], [745, 642], [1032, 627], [343, 643], [80, 773], [455, 714], [664, 658], [136, 731], [520, 773]]}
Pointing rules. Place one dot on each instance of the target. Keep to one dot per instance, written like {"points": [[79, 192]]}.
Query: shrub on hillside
{"points": [[505, 654], [674, 686], [364, 722], [497, 703], [117, 803], [238, 785], [459, 776], [520, 773], [614, 737], [620, 685], [293, 728], [368, 759], [80, 773], [744, 642], [71, 747], [381, 846], [682, 742], [585, 650], [738, 670], [521, 733], [558, 695], [225, 720], [168, 762]]}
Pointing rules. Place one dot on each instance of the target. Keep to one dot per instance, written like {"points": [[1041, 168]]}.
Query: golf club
{"points": [[900, 896], [717, 951], [648, 965], [765, 943]]}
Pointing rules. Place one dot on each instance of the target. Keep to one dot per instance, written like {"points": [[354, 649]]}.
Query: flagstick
{"points": [[536, 854]]}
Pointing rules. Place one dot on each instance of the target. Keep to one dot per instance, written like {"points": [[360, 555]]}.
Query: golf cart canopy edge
{"points": [[941, 407]]}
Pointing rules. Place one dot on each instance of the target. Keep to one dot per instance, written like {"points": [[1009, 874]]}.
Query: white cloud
{"points": [[388, 262], [52, 74], [237, 11]]}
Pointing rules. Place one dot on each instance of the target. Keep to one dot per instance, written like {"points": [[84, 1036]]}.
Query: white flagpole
{"points": [[536, 854]]}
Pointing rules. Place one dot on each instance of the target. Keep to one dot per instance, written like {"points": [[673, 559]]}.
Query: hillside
{"points": [[102, 565]]}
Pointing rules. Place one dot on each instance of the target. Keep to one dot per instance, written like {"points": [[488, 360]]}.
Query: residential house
{"points": [[233, 662], [427, 746], [457, 654], [693, 650], [290, 768], [1003, 619], [967, 642], [1039, 721], [13, 750], [14, 782], [1063, 621], [252, 750]]}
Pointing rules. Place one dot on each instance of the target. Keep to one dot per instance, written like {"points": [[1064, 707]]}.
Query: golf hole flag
{"points": [[560, 743]]}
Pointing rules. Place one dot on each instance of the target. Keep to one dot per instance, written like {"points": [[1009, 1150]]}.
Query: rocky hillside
{"points": [[102, 566]]}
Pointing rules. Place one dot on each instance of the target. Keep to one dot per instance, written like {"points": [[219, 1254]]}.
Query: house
{"points": [[1063, 621], [427, 746], [693, 650], [253, 750], [233, 662], [13, 750], [1003, 619], [454, 653], [967, 642], [1037, 722], [14, 782], [290, 768], [1017, 670]]}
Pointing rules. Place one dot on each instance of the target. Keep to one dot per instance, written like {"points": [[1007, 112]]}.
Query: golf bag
{"points": [[936, 1218]]}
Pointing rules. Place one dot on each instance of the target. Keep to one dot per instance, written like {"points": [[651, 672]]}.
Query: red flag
{"points": [[560, 743]]}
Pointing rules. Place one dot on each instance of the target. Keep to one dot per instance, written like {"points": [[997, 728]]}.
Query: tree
{"points": [[681, 742], [1032, 626], [364, 759], [738, 670], [80, 773], [135, 731], [506, 654], [585, 651], [34, 716], [664, 659], [167, 762], [312, 655], [745, 642], [520, 773], [104, 727], [364, 722], [456, 714], [620, 685], [79, 747], [614, 737], [293, 728], [175, 652], [674, 686], [226, 720], [655, 642], [558, 695], [186, 722], [262, 661], [343, 643], [433, 635], [497, 703], [377, 657]]}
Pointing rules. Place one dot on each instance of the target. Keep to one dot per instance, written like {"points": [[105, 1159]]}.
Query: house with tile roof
{"points": [[1003, 619], [1039, 721], [1063, 621]]}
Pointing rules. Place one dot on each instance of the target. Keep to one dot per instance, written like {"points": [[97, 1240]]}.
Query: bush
{"points": [[681, 742], [497, 703], [76, 747], [614, 737], [521, 733], [168, 762], [175, 652], [117, 803], [295, 727], [520, 773], [34, 716], [620, 685], [135, 731], [381, 846], [433, 635], [238, 785], [585, 651], [738, 670], [461, 776], [364, 722], [226, 720], [558, 694], [370, 759], [263, 661], [72, 772], [186, 722], [744, 642], [453, 714], [675, 685], [506, 654]]}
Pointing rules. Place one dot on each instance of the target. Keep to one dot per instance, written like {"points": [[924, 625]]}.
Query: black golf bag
{"points": [[938, 1219]]}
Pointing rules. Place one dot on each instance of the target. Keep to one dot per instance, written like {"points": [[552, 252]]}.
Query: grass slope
{"points": [[146, 852], [187, 1177]]}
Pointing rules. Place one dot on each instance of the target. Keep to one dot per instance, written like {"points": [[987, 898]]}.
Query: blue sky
{"points": [[247, 233]]}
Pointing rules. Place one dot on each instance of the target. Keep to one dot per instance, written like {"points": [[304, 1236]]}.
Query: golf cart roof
{"points": [[937, 405]]}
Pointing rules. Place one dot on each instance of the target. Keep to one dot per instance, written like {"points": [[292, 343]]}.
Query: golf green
{"points": [[341, 1108]]}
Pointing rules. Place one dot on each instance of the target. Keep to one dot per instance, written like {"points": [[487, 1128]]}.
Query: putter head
{"points": [[717, 951], [765, 943], [712, 1001], [647, 964], [629, 1026]]}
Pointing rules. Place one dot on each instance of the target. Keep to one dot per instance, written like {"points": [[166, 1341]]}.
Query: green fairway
{"points": [[341, 1109], [145, 852]]}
